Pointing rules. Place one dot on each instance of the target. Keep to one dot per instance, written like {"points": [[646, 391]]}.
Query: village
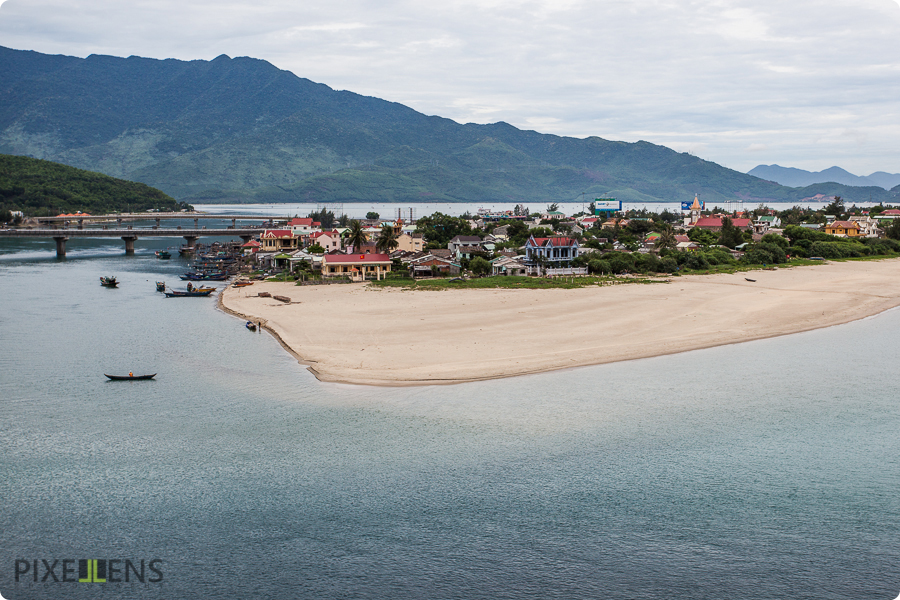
{"points": [[552, 244]]}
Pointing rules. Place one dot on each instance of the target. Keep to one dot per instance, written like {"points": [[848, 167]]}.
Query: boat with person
{"points": [[108, 281], [164, 254], [250, 325], [160, 286], [130, 377]]}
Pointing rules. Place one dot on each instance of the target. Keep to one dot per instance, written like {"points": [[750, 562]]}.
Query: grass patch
{"points": [[510, 282]]}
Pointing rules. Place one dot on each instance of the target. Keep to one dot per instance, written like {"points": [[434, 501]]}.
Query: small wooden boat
{"points": [[192, 293], [748, 279], [164, 254], [250, 325], [130, 377], [240, 284], [108, 281], [160, 286]]}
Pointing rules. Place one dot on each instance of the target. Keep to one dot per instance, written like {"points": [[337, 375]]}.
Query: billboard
{"points": [[686, 205], [607, 205]]}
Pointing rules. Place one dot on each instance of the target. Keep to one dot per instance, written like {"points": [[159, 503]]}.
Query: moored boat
{"points": [[160, 286], [177, 294], [163, 254], [108, 281], [130, 377], [250, 325]]}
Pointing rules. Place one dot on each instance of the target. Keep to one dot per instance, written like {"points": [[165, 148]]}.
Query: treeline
{"points": [[40, 188]]}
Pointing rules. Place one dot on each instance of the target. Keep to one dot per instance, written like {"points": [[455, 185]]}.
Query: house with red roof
{"points": [[250, 247], [278, 240], [550, 253], [356, 266], [330, 240], [843, 229], [303, 226], [715, 223]]}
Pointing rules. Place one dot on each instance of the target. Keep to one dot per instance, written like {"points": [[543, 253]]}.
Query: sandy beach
{"points": [[358, 334]]}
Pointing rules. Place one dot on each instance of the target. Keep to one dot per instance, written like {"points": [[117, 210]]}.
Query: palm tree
{"points": [[666, 239], [387, 240], [356, 237]]}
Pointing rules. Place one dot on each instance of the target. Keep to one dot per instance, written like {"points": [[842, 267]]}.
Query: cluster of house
{"points": [[293, 243], [296, 241], [864, 225]]}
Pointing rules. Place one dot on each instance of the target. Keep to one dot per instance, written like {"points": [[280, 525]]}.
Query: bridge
{"points": [[145, 216], [128, 235]]}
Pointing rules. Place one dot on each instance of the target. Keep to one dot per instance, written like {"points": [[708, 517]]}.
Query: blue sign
{"points": [[686, 205]]}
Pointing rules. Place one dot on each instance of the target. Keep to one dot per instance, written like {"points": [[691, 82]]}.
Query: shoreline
{"points": [[456, 336]]}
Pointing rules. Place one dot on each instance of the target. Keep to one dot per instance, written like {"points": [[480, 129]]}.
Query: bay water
{"points": [[761, 470]]}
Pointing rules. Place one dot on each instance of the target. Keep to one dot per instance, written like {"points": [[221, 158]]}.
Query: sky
{"points": [[803, 83]]}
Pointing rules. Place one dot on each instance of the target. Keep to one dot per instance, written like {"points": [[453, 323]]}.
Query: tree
{"points": [[667, 240], [356, 237], [325, 217], [730, 235], [702, 236], [344, 221], [553, 207], [893, 230], [387, 240], [372, 215], [480, 266], [836, 207], [315, 249], [440, 228]]}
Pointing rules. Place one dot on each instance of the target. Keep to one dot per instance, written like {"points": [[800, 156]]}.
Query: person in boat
{"points": [[130, 373], [189, 287]]}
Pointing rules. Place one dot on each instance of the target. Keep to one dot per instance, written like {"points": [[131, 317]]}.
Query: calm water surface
{"points": [[761, 470]]}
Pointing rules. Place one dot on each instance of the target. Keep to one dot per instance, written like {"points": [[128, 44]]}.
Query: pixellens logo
{"points": [[90, 570]]}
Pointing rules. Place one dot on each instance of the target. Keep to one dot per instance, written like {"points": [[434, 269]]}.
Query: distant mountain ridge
{"points": [[241, 130], [793, 177]]}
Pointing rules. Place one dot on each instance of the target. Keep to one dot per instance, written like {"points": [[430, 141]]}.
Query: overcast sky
{"points": [[800, 83]]}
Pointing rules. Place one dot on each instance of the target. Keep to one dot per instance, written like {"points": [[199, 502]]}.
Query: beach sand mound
{"points": [[387, 336]]}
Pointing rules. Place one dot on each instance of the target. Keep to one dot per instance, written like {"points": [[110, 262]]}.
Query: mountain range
{"points": [[793, 177], [242, 130]]}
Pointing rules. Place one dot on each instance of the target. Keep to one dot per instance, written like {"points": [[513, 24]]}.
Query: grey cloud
{"points": [[813, 83]]}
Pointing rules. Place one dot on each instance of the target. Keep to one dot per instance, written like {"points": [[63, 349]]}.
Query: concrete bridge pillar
{"points": [[80, 223], [60, 246], [196, 223], [233, 223], [157, 222], [118, 220], [129, 243], [246, 238], [190, 240]]}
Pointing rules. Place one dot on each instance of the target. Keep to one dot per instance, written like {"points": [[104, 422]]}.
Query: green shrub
{"points": [[758, 256], [774, 238], [696, 261], [668, 265], [838, 249]]}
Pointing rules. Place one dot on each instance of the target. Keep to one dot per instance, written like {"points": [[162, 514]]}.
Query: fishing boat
{"points": [[164, 254], [160, 286], [192, 293], [108, 281], [130, 377], [240, 284], [250, 325]]}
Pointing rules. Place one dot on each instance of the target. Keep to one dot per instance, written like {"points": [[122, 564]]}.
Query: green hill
{"points": [[40, 187], [242, 130]]}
